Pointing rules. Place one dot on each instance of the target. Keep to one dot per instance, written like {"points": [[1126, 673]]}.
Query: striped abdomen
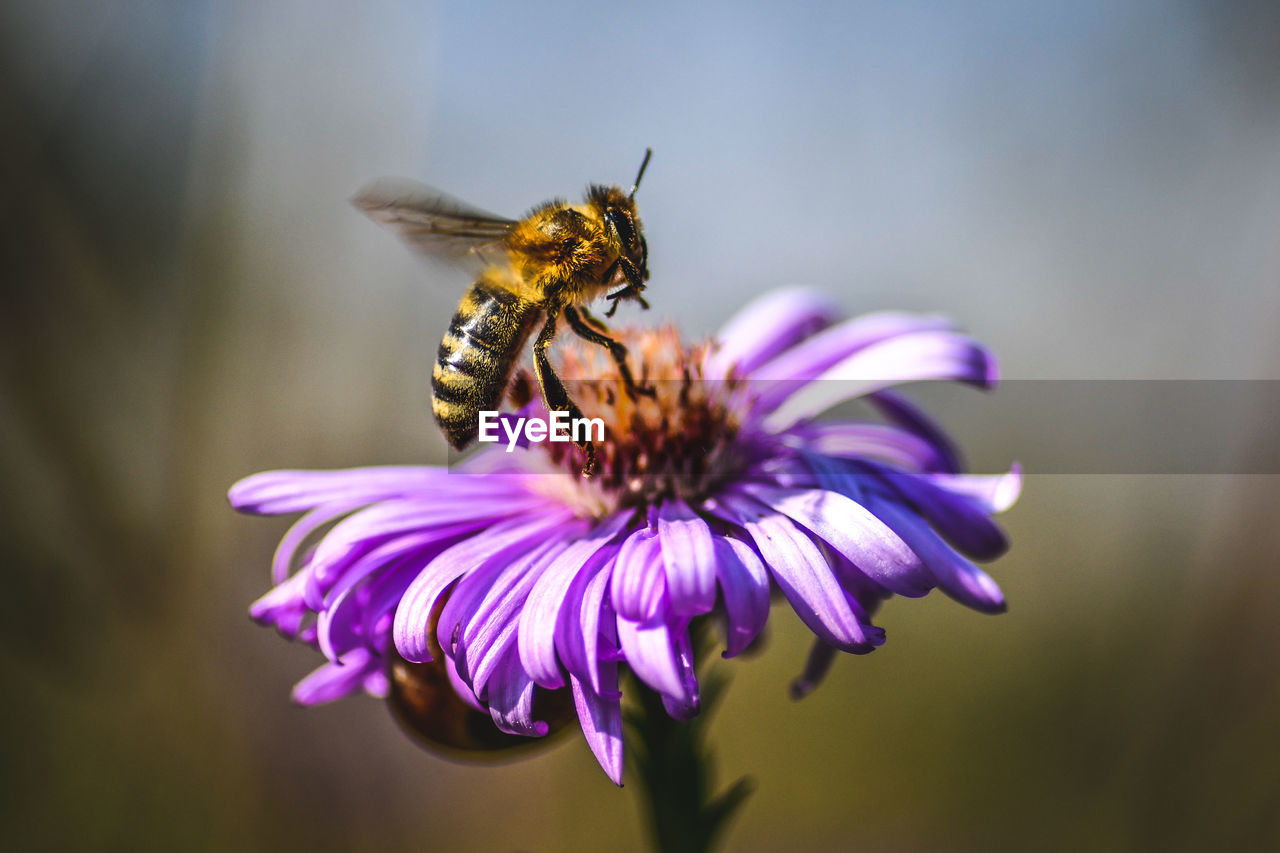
{"points": [[479, 351]]}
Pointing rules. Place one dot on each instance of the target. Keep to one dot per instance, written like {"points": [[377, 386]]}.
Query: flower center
{"points": [[679, 442]]}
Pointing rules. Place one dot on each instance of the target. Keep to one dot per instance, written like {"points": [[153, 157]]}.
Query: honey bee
{"points": [[549, 265]]}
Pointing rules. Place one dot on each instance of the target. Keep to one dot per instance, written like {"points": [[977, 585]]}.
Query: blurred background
{"points": [[1092, 188]]}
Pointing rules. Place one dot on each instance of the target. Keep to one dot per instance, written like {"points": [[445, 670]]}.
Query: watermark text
{"points": [[523, 431]]}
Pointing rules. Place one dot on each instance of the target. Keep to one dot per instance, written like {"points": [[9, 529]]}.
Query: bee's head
{"points": [[617, 212]]}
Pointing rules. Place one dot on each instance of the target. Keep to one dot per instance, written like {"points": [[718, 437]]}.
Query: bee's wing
{"points": [[434, 222]]}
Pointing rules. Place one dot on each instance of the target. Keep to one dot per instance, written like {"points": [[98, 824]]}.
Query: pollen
{"points": [[679, 442]]}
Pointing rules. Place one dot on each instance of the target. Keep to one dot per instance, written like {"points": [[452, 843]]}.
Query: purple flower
{"points": [[517, 577]]}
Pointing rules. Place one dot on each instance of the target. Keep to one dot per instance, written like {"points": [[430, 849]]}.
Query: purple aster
{"points": [[515, 582]]}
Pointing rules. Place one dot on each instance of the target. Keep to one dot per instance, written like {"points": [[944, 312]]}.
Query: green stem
{"points": [[673, 767]]}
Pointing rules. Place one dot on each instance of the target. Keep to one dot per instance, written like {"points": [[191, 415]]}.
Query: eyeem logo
{"points": [[560, 428]]}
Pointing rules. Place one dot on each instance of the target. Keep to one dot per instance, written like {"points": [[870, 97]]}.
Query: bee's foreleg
{"points": [[553, 392], [635, 279], [635, 285], [616, 349], [625, 293]]}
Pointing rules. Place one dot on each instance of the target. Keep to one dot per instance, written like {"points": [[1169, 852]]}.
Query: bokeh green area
{"points": [[188, 299]]}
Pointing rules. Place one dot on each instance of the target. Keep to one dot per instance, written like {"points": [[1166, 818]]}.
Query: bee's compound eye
{"points": [[621, 225], [611, 217]]}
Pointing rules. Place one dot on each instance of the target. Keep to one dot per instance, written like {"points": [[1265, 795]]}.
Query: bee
{"points": [[532, 271], [424, 702]]}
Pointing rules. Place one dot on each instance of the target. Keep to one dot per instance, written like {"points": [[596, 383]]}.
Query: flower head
{"points": [[515, 577]]}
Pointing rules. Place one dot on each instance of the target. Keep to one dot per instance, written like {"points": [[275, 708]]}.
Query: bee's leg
{"points": [[593, 319], [520, 389], [608, 273], [616, 349], [627, 293], [553, 392], [613, 300], [635, 284], [635, 279]]}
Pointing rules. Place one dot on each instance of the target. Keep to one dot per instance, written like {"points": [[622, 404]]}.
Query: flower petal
{"points": [[397, 517], [578, 640], [639, 583], [423, 545], [652, 655], [336, 639], [600, 714], [955, 575], [511, 699], [283, 606], [766, 327], [958, 518], [337, 680], [492, 628], [364, 531], [376, 684], [798, 566], [546, 608], [688, 705], [856, 440], [387, 589], [499, 543], [282, 561], [688, 558], [907, 415], [490, 581], [282, 492], [464, 691], [911, 357], [744, 583], [851, 529], [992, 492], [813, 357]]}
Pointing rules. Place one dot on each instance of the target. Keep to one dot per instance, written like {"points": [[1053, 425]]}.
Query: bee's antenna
{"points": [[644, 164]]}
